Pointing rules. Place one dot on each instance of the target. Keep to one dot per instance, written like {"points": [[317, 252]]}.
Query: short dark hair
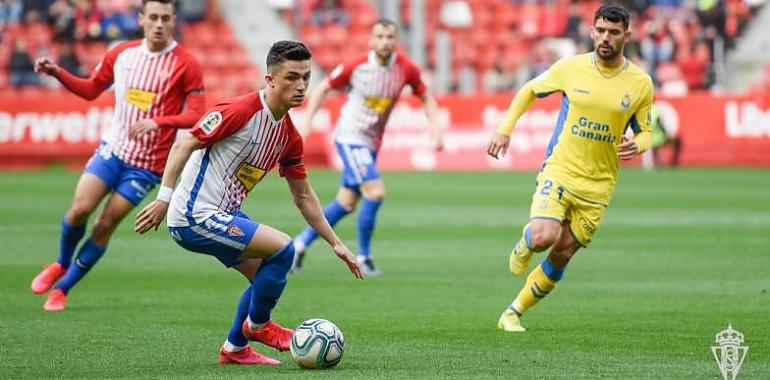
{"points": [[287, 50], [386, 23], [613, 13], [172, 2]]}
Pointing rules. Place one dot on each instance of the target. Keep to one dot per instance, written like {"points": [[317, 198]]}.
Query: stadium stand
{"points": [[80, 32]]}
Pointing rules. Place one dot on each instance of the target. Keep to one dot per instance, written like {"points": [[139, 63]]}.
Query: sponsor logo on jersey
{"points": [[140, 99], [249, 175], [211, 122], [379, 105]]}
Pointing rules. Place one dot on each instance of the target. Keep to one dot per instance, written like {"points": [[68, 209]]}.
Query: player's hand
{"points": [[46, 66], [150, 216], [498, 145], [627, 148], [345, 255], [142, 127]]}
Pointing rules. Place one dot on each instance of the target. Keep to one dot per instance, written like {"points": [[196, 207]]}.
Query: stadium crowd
{"points": [[76, 32], [499, 44]]}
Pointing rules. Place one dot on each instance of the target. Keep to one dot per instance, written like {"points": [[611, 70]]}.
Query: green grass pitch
{"points": [[679, 254]]}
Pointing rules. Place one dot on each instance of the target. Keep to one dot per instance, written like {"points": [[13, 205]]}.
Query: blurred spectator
{"points": [[62, 14], [656, 46], [191, 10], [69, 60], [38, 6], [87, 21], [10, 12], [21, 67], [118, 23], [694, 65], [328, 12], [499, 78]]}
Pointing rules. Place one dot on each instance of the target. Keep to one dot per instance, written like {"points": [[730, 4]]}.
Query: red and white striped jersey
{"points": [[241, 142], [147, 85], [373, 90]]}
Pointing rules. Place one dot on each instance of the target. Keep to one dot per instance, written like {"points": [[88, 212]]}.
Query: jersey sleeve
{"points": [[220, 122], [552, 80], [641, 120], [414, 80], [292, 162], [340, 76], [193, 77]]}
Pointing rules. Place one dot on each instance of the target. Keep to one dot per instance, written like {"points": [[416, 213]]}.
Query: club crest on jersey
{"points": [[211, 122], [626, 102], [278, 148], [234, 231]]}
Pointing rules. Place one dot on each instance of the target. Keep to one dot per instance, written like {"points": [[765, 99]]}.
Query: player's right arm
{"points": [[86, 88], [317, 98], [151, 216], [543, 85]]}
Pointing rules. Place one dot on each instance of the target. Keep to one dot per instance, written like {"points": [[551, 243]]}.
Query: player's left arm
{"points": [[419, 89], [430, 106], [194, 105], [641, 124], [308, 204]]}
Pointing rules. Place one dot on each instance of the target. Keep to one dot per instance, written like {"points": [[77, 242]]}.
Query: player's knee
{"points": [[348, 204], [281, 261], [78, 214]]}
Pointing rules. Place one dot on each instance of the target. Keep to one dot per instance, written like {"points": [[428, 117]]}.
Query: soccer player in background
{"points": [[603, 94], [223, 158], [373, 82], [158, 89]]}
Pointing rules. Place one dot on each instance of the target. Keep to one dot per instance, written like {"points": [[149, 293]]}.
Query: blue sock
{"points": [[68, 241], [367, 217], [88, 255], [550, 271], [236, 336], [333, 213], [268, 284], [528, 236]]}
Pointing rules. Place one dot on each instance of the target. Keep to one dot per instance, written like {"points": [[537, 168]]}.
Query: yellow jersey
{"points": [[597, 108]]}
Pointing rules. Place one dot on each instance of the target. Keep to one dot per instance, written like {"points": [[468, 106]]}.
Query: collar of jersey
{"points": [[265, 106], [613, 73], [373, 58], [170, 47]]}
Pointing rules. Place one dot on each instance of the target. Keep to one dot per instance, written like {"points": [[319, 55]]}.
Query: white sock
{"points": [[254, 326], [229, 347], [299, 247]]}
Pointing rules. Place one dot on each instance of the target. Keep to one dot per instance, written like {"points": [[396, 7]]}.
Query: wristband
{"points": [[164, 194]]}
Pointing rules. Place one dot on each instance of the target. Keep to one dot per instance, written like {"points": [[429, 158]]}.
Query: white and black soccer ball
{"points": [[317, 343]]}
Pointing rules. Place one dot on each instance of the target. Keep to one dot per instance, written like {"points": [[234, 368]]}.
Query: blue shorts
{"points": [[129, 181], [222, 235], [358, 165]]}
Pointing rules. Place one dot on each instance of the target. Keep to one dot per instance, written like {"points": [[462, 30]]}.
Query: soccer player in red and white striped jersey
{"points": [[158, 88], [373, 82], [225, 156]]}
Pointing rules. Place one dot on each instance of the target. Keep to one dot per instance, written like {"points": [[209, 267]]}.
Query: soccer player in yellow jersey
{"points": [[603, 94]]}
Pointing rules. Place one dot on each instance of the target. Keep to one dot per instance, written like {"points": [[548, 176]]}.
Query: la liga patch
{"points": [[211, 122]]}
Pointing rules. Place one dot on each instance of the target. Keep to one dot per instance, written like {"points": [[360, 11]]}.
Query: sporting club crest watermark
{"points": [[729, 352]]}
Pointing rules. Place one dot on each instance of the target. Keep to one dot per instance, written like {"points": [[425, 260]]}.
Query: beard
{"points": [[609, 55]]}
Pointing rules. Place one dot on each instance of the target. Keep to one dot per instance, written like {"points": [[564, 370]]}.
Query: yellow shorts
{"points": [[552, 201]]}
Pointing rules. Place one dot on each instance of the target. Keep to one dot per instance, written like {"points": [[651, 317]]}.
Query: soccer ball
{"points": [[317, 343]]}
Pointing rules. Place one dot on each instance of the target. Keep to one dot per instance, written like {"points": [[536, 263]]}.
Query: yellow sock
{"points": [[538, 285]]}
